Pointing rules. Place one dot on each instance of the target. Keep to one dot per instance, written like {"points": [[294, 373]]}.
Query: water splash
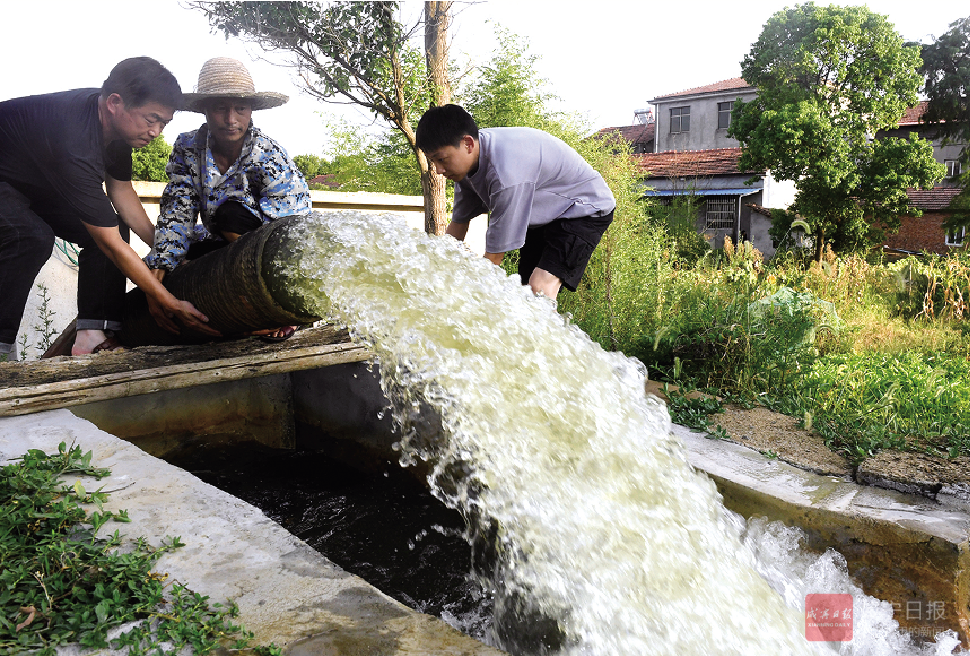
{"points": [[598, 535]]}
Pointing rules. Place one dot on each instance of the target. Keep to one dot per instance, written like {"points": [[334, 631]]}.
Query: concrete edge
{"points": [[287, 593]]}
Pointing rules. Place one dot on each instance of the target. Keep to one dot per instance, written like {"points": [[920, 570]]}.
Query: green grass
{"points": [[60, 583], [894, 374], [910, 401]]}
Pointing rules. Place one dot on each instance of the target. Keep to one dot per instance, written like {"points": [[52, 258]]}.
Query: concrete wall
{"points": [[340, 410], [703, 133], [254, 409], [758, 226]]}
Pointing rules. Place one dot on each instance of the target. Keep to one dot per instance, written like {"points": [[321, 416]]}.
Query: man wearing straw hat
{"points": [[56, 152], [227, 172]]}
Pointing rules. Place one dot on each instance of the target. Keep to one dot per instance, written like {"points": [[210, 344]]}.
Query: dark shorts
{"points": [[231, 216], [562, 248]]}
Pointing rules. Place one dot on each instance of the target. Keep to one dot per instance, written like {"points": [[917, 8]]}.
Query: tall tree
{"points": [[828, 79], [437, 15], [148, 163], [946, 71], [507, 90], [350, 52]]}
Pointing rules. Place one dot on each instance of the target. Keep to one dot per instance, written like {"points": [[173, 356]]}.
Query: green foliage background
{"points": [[148, 163], [829, 78]]}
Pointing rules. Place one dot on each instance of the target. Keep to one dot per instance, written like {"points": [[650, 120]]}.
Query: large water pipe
{"points": [[236, 287]]}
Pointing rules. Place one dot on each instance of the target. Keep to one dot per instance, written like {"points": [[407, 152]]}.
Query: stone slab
{"points": [[287, 593]]}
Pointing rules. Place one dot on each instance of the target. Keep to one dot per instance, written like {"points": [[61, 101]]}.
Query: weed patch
{"points": [[61, 584]]}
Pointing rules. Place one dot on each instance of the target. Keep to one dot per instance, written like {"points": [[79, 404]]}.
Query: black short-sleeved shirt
{"points": [[52, 151]]}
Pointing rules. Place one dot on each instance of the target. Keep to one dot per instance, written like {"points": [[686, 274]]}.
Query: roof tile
{"points": [[633, 134], [912, 115], [938, 198], [723, 85], [687, 163]]}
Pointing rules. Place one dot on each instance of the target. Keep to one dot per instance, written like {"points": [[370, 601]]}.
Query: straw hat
{"points": [[222, 77]]}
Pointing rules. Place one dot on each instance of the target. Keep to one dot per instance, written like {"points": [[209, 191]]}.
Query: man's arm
{"points": [[282, 190], [459, 230], [129, 207], [165, 308], [179, 207]]}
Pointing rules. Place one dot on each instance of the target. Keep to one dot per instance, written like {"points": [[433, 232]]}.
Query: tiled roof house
{"points": [[692, 154], [926, 232]]}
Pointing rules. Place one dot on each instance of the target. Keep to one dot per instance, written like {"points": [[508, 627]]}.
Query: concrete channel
{"points": [[899, 547]]}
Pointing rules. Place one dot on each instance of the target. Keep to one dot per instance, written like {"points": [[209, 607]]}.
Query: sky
{"points": [[603, 59]]}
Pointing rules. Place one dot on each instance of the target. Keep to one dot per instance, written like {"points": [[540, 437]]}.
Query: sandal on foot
{"points": [[284, 334], [110, 344], [62, 345]]}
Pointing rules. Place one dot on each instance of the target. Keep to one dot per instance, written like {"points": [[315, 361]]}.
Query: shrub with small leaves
{"points": [[60, 583]]}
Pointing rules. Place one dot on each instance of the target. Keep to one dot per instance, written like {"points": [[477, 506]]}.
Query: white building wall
{"points": [[703, 133], [778, 193]]}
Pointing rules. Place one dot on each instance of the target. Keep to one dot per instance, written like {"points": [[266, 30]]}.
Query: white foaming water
{"points": [[599, 521]]}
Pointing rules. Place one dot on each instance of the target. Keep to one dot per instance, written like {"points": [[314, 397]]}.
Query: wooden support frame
{"points": [[152, 374]]}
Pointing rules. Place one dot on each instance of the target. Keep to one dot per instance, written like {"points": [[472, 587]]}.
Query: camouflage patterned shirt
{"points": [[264, 179]]}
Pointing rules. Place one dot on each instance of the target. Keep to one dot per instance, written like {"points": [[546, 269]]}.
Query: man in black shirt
{"points": [[56, 151]]}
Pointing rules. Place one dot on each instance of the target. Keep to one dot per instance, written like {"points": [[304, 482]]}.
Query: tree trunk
{"points": [[435, 209], [436, 19]]}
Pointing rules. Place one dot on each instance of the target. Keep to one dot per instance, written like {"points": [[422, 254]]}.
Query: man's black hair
{"points": [[142, 80], [444, 126]]}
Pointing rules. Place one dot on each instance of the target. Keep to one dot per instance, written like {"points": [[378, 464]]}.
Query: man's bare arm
{"points": [[129, 207], [165, 308]]}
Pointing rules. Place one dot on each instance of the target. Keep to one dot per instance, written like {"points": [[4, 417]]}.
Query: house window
{"points": [[719, 213], [952, 167], [956, 236], [724, 114], [679, 119]]}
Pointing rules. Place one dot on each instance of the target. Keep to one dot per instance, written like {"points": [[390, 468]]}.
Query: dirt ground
{"points": [[778, 435]]}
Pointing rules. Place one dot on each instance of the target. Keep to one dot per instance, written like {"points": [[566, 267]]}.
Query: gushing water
{"points": [[598, 531]]}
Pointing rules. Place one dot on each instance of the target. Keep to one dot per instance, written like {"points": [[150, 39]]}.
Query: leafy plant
{"points": [[46, 318], [718, 433], [866, 402], [61, 583], [148, 163], [691, 409]]}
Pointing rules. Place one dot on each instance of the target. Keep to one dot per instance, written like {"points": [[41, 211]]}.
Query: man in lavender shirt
{"points": [[541, 195]]}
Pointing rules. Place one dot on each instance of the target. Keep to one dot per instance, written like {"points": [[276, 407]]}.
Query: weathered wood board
{"points": [[27, 387]]}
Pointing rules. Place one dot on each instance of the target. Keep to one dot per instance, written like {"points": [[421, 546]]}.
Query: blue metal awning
{"points": [[746, 191]]}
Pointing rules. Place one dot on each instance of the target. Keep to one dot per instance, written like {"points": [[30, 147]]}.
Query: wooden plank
{"points": [[65, 393]]}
